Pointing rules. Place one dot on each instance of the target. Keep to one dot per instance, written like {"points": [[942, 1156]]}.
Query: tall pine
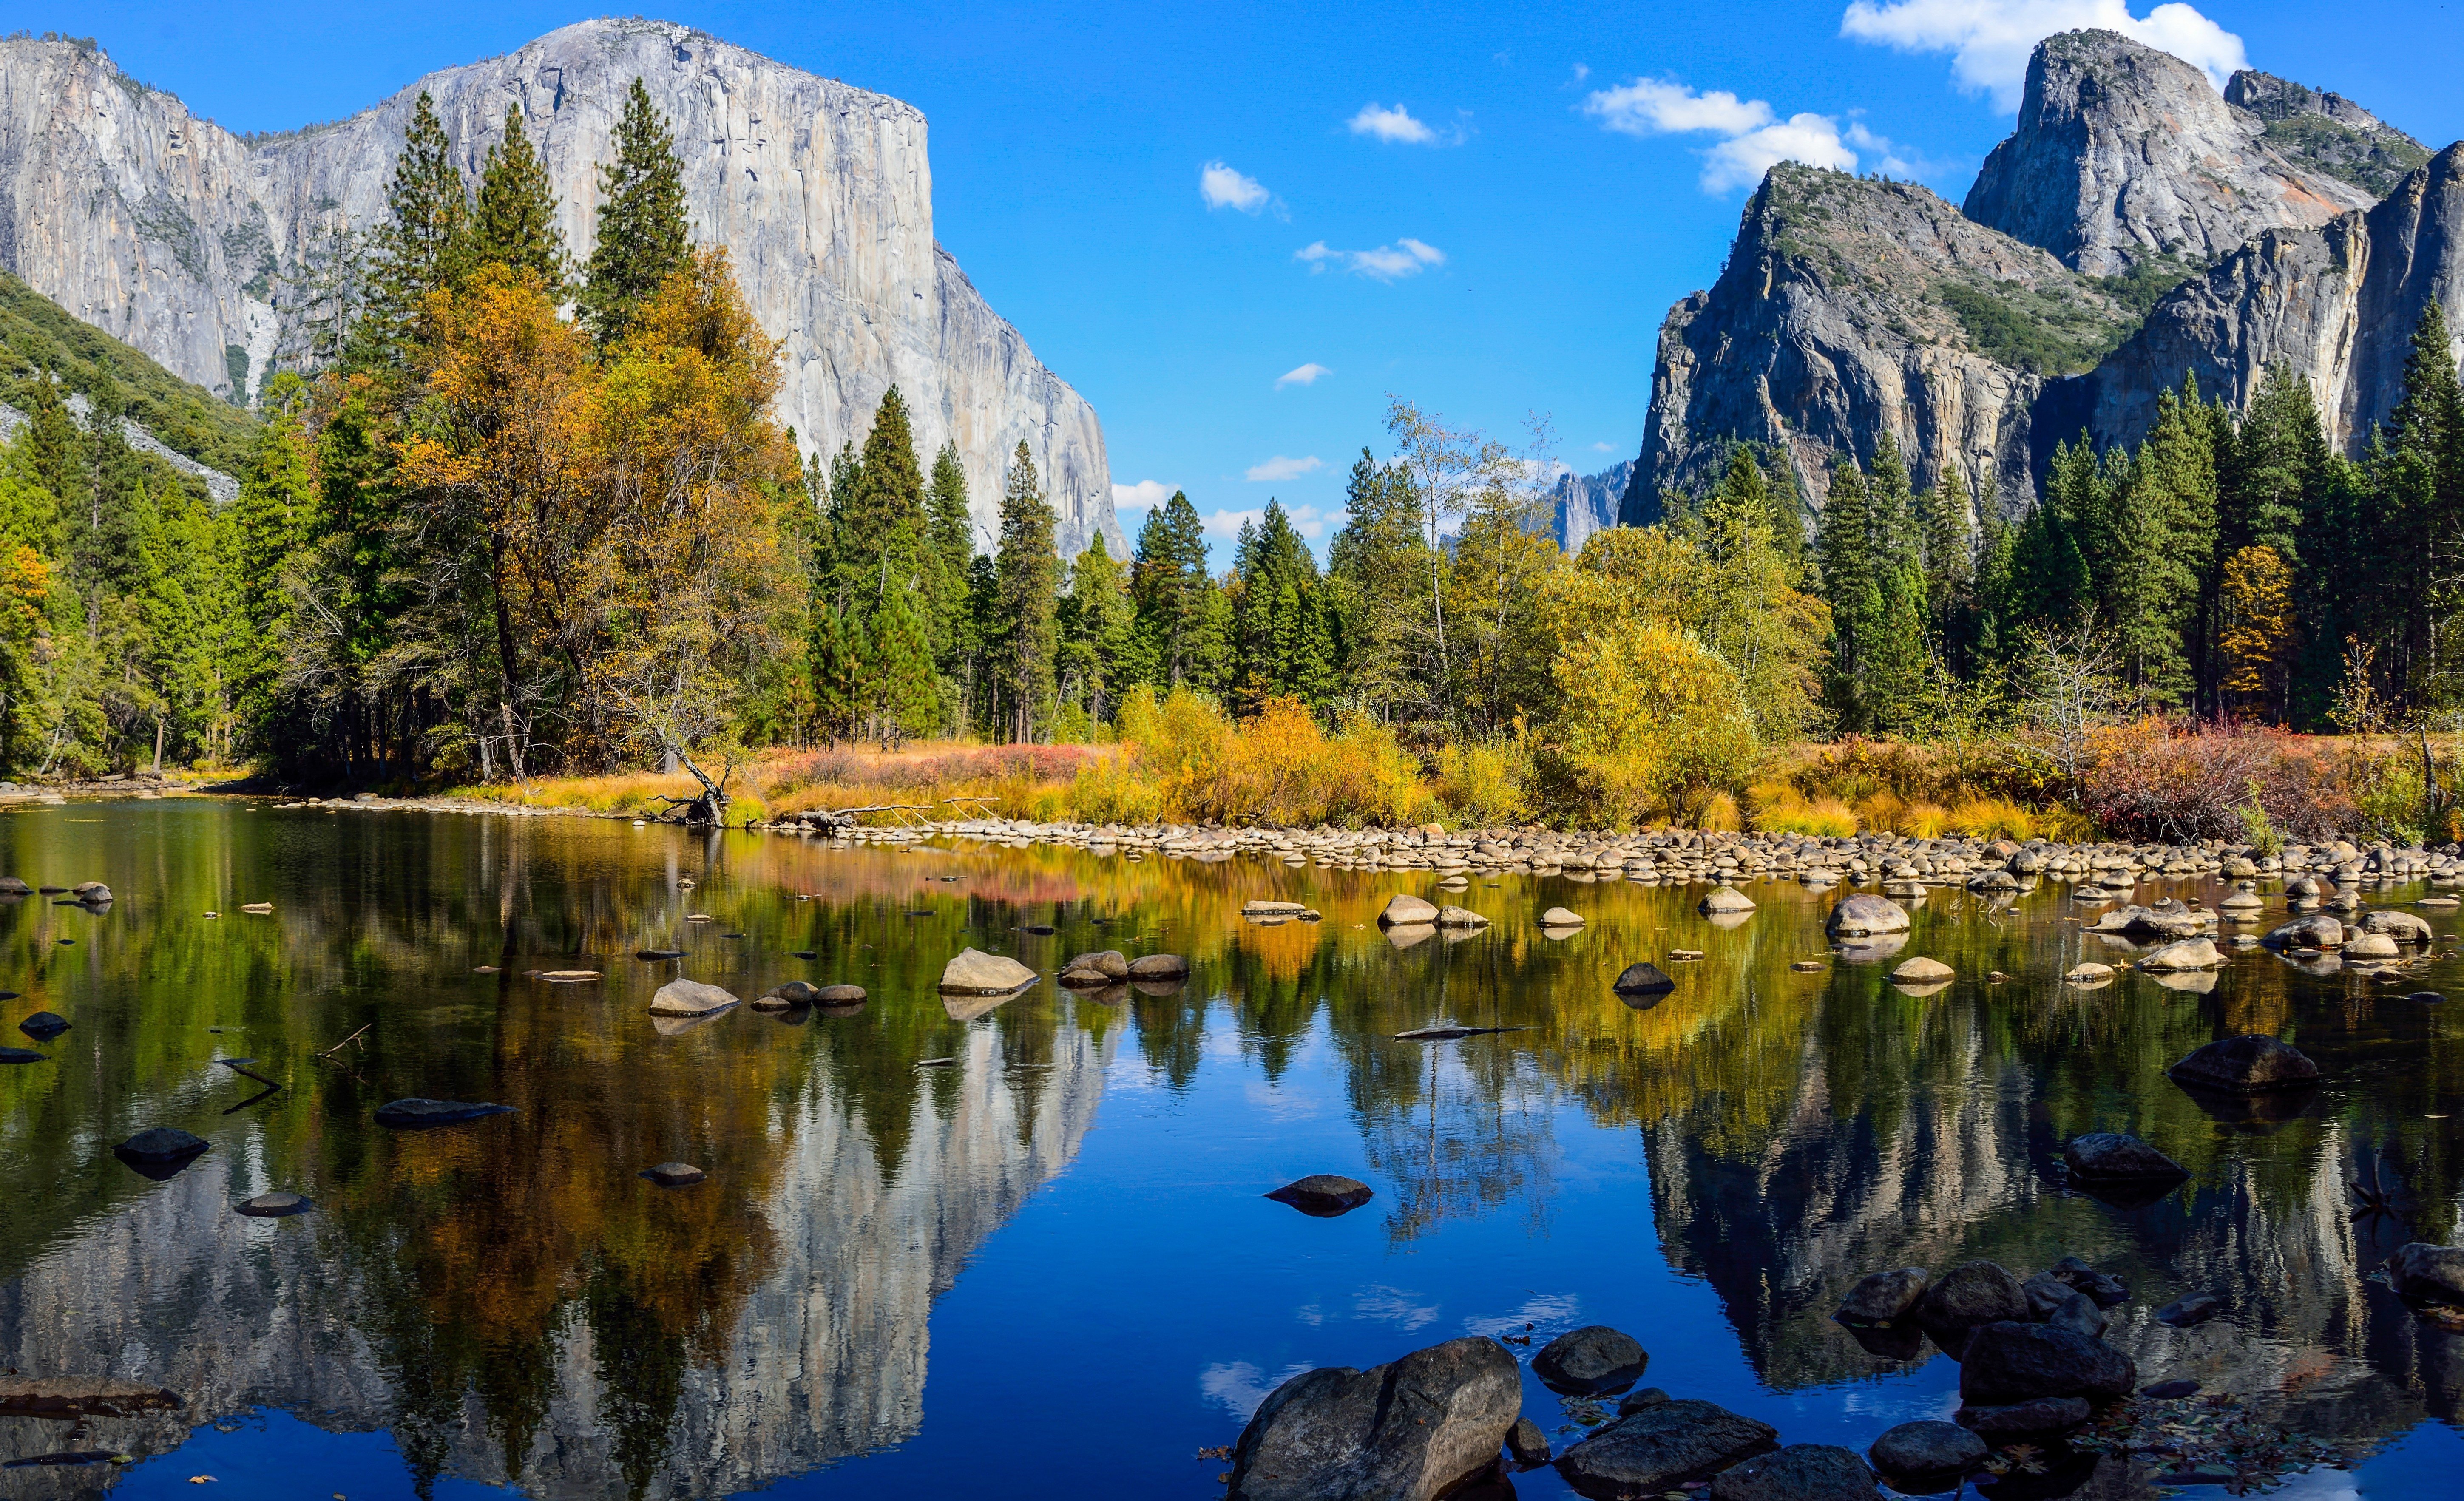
{"points": [[642, 237], [1028, 587], [514, 223]]}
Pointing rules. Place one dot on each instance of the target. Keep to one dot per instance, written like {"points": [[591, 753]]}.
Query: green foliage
{"points": [[514, 223], [642, 235], [40, 338], [1025, 599], [2374, 162], [1180, 631], [424, 245], [2045, 332]]}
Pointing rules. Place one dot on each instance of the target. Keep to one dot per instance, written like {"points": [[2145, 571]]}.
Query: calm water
{"points": [[1046, 1270]]}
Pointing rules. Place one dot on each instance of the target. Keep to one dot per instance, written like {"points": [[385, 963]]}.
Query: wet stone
{"points": [[1528, 1446], [2008, 1422], [1929, 1450], [1324, 1194], [1660, 1447], [10, 1056], [273, 1205], [1644, 978], [674, 1175], [2170, 1391], [1411, 1430], [2246, 1065], [419, 1115], [2015, 1362], [1882, 1296], [1799, 1473], [2113, 1155], [1592, 1360], [44, 1025], [2197, 1308]]}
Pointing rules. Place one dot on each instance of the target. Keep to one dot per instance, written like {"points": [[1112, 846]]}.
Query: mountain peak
{"points": [[2124, 154]]}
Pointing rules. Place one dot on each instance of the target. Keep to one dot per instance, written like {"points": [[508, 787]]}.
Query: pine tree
{"points": [[1169, 583], [2416, 474], [880, 528], [1097, 624], [514, 223], [952, 531], [642, 237], [1375, 570], [901, 692], [1951, 572], [423, 245], [273, 516], [834, 661], [1028, 591]]}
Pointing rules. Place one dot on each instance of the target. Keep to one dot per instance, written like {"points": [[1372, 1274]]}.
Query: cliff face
{"points": [[1977, 337], [2124, 154], [1851, 307], [2337, 304], [205, 250], [1581, 504]]}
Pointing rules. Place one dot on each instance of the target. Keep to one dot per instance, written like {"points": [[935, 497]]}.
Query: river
{"points": [[1045, 1268]]}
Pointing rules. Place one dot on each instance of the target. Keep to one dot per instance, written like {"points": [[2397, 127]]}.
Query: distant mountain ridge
{"points": [[2135, 225]]}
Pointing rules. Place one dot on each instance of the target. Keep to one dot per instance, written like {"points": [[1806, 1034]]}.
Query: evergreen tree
{"points": [[1027, 595], [953, 532], [2416, 476], [514, 223], [834, 659], [424, 244], [1281, 646], [1098, 627], [642, 237], [1375, 573], [1170, 583], [273, 516], [900, 690]]}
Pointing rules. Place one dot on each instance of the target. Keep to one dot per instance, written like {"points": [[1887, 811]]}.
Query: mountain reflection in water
{"points": [[508, 1302]]}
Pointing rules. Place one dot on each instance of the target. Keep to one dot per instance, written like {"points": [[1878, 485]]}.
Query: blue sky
{"points": [[1484, 209]]}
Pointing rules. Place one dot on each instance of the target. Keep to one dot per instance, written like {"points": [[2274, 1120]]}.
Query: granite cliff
{"points": [[205, 250], [2135, 225]]}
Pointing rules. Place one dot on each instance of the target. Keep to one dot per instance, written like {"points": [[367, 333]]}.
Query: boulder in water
{"points": [[1642, 978], [1158, 967], [1922, 971], [976, 973], [2186, 954], [1405, 911], [1863, 916], [1883, 1297], [1927, 1456], [1660, 1447], [44, 1025], [1971, 1294], [2111, 1155], [273, 1205], [2250, 1064], [1799, 1473], [1561, 917], [2016, 1363], [1324, 1194], [2003, 1423], [1724, 900], [1592, 1360], [674, 1175], [1412, 1429], [689, 997], [2431, 1273]]}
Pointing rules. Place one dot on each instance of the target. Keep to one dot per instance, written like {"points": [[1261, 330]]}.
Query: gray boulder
{"points": [[689, 997], [159, 1144], [1158, 967], [1973, 1293], [1799, 1473], [2401, 926], [1660, 1447], [1593, 1359], [2015, 1362], [976, 973], [1405, 911], [1863, 916], [1108, 963], [2250, 1064], [2317, 931], [2184, 954], [1460, 917], [1409, 1430], [1882, 1296], [2433, 1273], [838, 995], [1724, 898], [2080, 1315], [1929, 1450], [277, 1206]]}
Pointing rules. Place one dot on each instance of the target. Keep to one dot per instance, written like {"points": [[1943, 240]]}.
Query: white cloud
{"points": [[1755, 136], [1304, 375], [1281, 468], [1741, 161], [1313, 524], [1597, 447], [1241, 1387], [1405, 257], [1222, 188], [1144, 496], [1394, 125], [1990, 40], [1383, 1305], [1582, 71], [1664, 106]]}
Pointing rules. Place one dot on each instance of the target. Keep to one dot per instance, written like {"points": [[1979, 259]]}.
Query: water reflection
{"points": [[510, 1302]]}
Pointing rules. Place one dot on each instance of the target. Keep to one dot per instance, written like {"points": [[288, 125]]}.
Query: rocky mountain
{"points": [[2336, 304], [2135, 225], [208, 250], [2124, 154], [1581, 504]]}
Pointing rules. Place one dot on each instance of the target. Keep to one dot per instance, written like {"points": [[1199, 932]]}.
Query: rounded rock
{"points": [[2246, 1065], [1324, 1194], [1724, 900], [1928, 1451], [1922, 971], [273, 1205], [1560, 918], [1589, 1361], [1863, 916], [1403, 910], [1799, 1473], [674, 1175]]}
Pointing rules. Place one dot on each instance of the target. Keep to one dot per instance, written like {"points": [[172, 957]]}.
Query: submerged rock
{"points": [[418, 1114], [2003, 1423], [976, 973], [2194, 1308], [674, 1175], [1409, 1430], [689, 997], [1528, 1446], [9, 1055], [44, 1025], [1660, 1447], [2246, 1065], [1915, 1453], [2112, 1155], [655, 955], [79, 1396], [1799, 1473], [159, 1144], [2016, 1363], [1324, 1194], [273, 1205], [2431, 1273], [1589, 1361]]}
